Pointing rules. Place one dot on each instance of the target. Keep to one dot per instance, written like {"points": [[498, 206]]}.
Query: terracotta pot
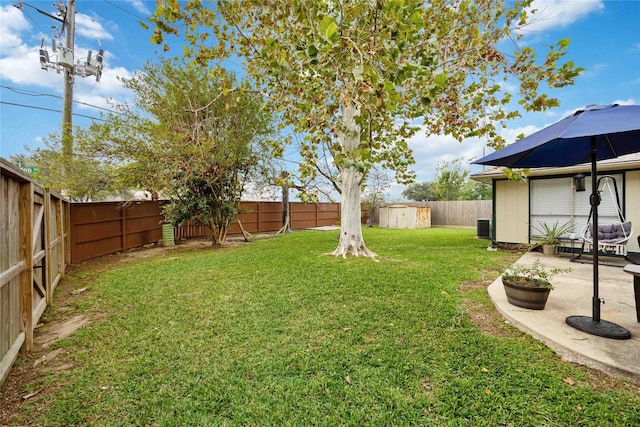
{"points": [[530, 297]]}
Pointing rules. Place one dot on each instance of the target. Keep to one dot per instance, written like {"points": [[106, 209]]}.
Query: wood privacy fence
{"points": [[459, 213], [41, 234], [108, 227], [453, 213], [34, 253]]}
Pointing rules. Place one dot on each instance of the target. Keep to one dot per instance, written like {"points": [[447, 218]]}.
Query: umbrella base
{"points": [[601, 328]]}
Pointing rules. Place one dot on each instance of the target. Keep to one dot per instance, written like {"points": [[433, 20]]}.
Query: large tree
{"points": [[450, 180], [79, 176], [193, 136], [355, 75], [420, 192]]}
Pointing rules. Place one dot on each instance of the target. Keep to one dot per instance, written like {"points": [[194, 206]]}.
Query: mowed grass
{"points": [[274, 333]]}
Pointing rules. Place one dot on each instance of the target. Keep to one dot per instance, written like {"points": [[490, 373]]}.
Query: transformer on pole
{"points": [[63, 60]]}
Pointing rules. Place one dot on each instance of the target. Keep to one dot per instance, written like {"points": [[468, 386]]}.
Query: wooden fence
{"points": [[41, 234], [34, 253], [459, 213], [454, 213], [108, 227]]}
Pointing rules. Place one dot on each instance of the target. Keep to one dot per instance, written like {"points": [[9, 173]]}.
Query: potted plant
{"points": [[550, 235], [529, 286]]}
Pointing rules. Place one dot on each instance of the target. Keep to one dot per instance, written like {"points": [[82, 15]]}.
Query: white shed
{"points": [[403, 216]]}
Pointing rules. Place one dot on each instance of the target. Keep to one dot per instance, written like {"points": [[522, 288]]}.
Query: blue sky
{"points": [[605, 40]]}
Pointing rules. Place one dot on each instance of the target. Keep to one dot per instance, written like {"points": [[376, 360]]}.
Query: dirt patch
{"points": [[482, 313], [61, 330]]}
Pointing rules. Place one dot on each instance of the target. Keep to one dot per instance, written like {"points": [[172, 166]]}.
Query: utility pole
{"points": [[67, 92], [66, 63]]}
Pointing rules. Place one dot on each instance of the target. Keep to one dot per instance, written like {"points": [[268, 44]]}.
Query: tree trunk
{"points": [[286, 223], [351, 241], [218, 235]]}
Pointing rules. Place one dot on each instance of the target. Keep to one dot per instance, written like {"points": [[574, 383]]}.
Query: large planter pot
{"points": [[549, 249], [530, 297]]}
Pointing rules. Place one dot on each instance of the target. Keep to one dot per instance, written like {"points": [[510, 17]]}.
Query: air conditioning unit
{"points": [[484, 228]]}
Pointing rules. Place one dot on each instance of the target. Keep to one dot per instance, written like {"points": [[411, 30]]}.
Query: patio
{"points": [[573, 295]]}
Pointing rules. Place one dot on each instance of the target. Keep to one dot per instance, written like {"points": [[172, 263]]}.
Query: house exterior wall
{"points": [[511, 211], [512, 208], [632, 198]]}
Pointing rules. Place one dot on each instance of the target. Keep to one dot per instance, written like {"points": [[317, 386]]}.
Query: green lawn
{"points": [[274, 333]]}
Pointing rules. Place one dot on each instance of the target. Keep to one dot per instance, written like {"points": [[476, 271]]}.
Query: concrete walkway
{"points": [[573, 295]]}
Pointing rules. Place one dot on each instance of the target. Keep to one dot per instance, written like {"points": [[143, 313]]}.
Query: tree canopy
{"points": [[193, 136], [360, 76], [451, 183]]}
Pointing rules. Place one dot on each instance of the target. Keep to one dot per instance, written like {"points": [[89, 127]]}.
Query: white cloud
{"points": [[629, 101], [20, 63], [429, 151], [559, 13], [140, 6], [13, 23], [21, 66], [89, 27]]}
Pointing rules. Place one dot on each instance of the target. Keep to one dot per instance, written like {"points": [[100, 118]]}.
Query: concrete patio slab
{"points": [[573, 295]]}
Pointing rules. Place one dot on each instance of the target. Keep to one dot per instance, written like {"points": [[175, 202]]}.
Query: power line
{"points": [[33, 21], [49, 109], [34, 93], [125, 10]]}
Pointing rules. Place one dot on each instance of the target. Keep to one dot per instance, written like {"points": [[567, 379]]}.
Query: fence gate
{"points": [[33, 257]]}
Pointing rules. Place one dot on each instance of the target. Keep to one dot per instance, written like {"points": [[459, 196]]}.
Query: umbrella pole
{"points": [[594, 325], [594, 200]]}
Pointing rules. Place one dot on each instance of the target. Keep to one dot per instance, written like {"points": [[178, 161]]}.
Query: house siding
{"points": [[632, 198], [511, 211]]}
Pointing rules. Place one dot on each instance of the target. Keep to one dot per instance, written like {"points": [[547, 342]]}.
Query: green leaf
{"points": [[440, 80], [328, 28], [312, 51]]}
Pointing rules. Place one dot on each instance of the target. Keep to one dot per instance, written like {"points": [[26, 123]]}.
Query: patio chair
{"points": [[612, 237]]}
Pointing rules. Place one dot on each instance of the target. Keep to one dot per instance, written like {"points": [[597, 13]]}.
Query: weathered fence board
{"points": [[460, 213], [108, 227], [33, 257]]}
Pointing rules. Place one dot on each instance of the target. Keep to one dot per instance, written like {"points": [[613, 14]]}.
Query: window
{"points": [[553, 200]]}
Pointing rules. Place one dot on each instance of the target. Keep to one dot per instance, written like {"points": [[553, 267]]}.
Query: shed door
{"points": [[553, 200]]}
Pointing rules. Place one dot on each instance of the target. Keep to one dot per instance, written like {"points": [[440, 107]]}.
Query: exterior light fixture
{"points": [[578, 182]]}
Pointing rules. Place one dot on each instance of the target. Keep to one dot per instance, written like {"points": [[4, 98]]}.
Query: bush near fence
{"points": [[103, 228], [42, 234]]}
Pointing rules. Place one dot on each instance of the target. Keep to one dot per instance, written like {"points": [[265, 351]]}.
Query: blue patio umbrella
{"points": [[591, 134]]}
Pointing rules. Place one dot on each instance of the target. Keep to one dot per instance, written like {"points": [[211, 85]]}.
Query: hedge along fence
{"points": [[108, 227], [34, 253]]}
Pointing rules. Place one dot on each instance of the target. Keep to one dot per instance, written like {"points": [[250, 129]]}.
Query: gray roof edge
{"points": [[626, 162]]}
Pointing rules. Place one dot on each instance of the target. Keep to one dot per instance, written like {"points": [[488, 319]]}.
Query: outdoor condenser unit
{"points": [[484, 228]]}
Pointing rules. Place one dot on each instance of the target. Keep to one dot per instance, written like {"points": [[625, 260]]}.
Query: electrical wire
{"points": [[125, 10], [34, 93], [50, 109]]}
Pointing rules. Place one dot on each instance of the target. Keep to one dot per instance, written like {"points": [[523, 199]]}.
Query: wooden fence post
{"points": [[123, 227], [26, 253], [60, 235], [48, 240]]}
